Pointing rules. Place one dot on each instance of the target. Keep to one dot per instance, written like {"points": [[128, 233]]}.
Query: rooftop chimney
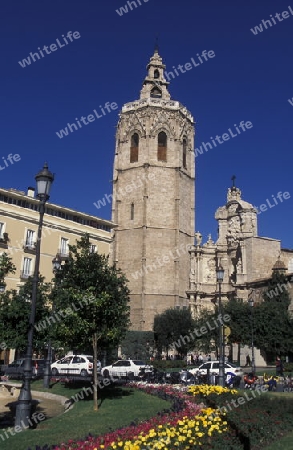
{"points": [[31, 192]]}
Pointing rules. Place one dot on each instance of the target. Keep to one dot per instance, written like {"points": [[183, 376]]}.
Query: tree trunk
{"points": [[95, 374]]}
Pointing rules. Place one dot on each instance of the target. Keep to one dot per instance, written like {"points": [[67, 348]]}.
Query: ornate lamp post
{"points": [[251, 304], [56, 263], [220, 277], [44, 180]]}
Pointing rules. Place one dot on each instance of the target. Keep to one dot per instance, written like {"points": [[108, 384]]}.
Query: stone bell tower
{"points": [[153, 198]]}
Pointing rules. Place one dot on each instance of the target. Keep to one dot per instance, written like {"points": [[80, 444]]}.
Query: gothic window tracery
{"points": [[162, 146], [184, 151], [134, 148]]}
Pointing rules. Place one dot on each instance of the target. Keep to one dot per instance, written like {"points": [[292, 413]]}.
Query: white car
{"points": [[124, 368], [213, 366], [73, 365]]}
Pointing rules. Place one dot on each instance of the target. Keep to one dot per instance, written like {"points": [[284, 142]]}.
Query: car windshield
{"points": [[139, 363]]}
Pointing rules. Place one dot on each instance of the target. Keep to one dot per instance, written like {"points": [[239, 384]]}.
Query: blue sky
{"points": [[249, 79]]}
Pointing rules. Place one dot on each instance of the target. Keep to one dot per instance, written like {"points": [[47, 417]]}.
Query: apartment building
{"points": [[19, 218]]}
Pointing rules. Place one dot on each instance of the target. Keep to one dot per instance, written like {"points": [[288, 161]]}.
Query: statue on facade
{"points": [[198, 239], [239, 266]]}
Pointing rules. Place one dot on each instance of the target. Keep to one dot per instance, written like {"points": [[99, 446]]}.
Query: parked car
{"points": [[125, 367], [213, 366], [15, 369], [73, 365]]}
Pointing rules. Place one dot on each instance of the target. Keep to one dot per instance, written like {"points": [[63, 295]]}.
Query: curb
{"points": [[50, 396]]}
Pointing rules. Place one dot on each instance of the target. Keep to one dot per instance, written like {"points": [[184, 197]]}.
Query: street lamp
{"points": [[44, 180], [56, 263], [220, 277], [251, 304]]}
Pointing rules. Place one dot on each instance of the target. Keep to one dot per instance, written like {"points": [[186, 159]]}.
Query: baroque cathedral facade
{"points": [[248, 260], [153, 206]]}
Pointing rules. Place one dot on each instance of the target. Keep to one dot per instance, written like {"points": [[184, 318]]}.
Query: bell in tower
{"points": [[155, 84]]}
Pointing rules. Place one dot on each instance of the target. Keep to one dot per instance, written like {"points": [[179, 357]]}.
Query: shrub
{"points": [[169, 364], [257, 420], [288, 367]]}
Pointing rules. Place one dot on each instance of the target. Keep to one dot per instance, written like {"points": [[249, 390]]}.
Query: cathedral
{"points": [[248, 260], [153, 206]]}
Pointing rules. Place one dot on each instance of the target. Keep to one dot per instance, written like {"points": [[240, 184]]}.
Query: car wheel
{"points": [[106, 373], [83, 373], [54, 371]]}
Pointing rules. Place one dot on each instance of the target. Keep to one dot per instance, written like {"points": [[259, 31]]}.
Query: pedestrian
{"points": [[248, 362], [279, 367]]}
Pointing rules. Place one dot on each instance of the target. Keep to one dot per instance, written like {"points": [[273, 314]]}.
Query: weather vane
{"points": [[233, 180]]}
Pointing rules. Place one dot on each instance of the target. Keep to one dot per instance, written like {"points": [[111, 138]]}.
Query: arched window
{"points": [[156, 74], [132, 211], [134, 148], [184, 153], [162, 146], [156, 93]]}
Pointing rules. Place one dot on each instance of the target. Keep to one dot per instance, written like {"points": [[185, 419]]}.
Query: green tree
{"points": [[15, 313], [240, 323], [273, 324], [94, 299], [172, 330], [138, 345], [206, 331], [6, 267]]}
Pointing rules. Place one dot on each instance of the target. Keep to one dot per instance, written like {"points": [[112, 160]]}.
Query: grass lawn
{"points": [[285, 443], [118, 407]]}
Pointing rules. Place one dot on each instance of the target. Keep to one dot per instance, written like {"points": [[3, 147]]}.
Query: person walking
{"points": [[279, 367], [248, 362]]}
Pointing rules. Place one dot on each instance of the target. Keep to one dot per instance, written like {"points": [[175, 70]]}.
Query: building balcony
{"points": [[30, 247], [63, 254], [4, 240], [24, 275]]}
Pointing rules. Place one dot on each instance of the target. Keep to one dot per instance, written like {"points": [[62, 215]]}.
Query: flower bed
{"points": [[256, 416], [187, 425], [227, 420]]}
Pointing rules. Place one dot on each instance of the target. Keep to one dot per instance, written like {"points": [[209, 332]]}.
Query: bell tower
{"points": [[153, 198]]}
